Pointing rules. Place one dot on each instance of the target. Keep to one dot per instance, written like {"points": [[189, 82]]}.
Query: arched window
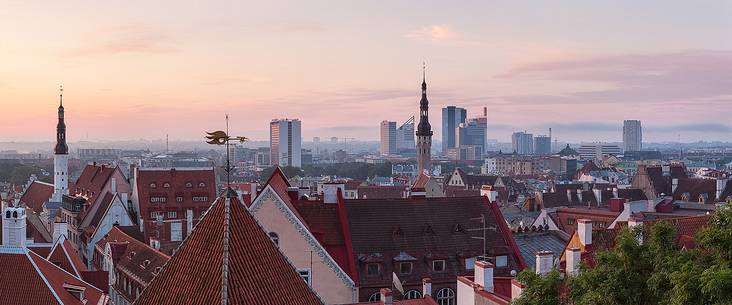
{"points": [[446, 296], [153, 185], [201, 184], [166, 185], [189, 184], [412, 294], [275, 238], [375, 297]]}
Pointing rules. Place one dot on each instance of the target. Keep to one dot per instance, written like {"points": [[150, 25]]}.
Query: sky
{"points": [[144, 69]]}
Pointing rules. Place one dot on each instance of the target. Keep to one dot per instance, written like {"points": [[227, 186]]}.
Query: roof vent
{"points": [[428, 230]]}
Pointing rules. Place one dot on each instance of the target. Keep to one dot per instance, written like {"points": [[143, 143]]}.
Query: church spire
{"points": [[61, 147], [424, 79]]}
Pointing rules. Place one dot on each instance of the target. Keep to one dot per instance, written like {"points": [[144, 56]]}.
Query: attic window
{"points": [[157, 269], [438, 265], [153, 185], [458, 229], [428, 230], [166, 185], [373, 269], [201, 184], [189, 184], [132, 254], [145, 263], [405, 267], [75, 290]]}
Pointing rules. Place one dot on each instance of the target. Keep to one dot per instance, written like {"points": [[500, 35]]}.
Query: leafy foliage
{"points": [[540, 290]]}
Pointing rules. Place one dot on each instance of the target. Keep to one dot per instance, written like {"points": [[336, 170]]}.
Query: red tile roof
{"points": [[65, 256], [92, 180], [36, 281], [258, 273], [380, 192], [133, 256], [36, 195]]}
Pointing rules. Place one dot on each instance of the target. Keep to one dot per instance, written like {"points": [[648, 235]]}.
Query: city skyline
{"points": [[159, 76]]}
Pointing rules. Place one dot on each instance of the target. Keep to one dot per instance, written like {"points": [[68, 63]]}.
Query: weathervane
{"points": [[222, 138]]}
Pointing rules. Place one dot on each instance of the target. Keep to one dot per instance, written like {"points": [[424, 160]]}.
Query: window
{"points": [[172, 214], [176, 231], [501, 261], [201, 184], [188, 184], [405, 268], [412, 294], [158, 199], [179, 199], [470, 263], [275, 238], [376, 296], [305, 275], [446, 296], [438, 265], [373, 269], [570, 221], [153, 185], [200, 198], [154, 215], [166, 185]]}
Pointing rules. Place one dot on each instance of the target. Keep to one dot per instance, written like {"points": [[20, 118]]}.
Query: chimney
{"points": [[544, 262], [632, 224], [516, 289], [60, 230], [598, 195], [386, 296], [484, 275], [330, 192], [721, 184], [14, 227], [674, 185], [293, 193], [584, 230], [615, 192], [573, 258], [113, 185], [569, 195], [253, 189], [579, 195], [485, 112], [426, 287], [616, 204], [189, 221]]}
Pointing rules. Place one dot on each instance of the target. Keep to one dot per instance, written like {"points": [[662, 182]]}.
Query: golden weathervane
{"points": [[220, 137]]}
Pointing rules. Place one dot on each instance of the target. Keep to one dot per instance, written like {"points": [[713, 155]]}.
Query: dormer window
{"points": [[406, 267], [153, 185], [179, 199], [132, 254], [373, 269], [166, 185], [145, 263], [189, 184], [75, 290], [501, 261], [438, 265], [201, 184]]}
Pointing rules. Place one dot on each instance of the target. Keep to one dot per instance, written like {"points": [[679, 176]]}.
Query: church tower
{"points": [[61, 155], [424, 131]]}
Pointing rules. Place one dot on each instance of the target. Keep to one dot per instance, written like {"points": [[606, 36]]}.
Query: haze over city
{"points": [[171, 67]]}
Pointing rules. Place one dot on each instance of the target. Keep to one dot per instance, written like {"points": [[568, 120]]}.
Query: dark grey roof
{"points": [[532, 242]]}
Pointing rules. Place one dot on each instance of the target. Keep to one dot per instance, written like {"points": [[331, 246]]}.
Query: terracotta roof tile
{"points": [[258, 273], [36, 195]]}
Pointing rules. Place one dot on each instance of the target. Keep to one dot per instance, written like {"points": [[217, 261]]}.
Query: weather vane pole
{"points": [[222, 138]]}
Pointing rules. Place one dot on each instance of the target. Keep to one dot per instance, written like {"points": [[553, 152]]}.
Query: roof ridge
{"points": [[43, 276], [225, 263]]}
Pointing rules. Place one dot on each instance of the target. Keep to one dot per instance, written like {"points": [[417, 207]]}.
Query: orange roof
{"points": [[36, 195], [65, 256], [228, 254]]}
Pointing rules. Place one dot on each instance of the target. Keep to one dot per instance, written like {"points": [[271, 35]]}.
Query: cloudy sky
{"points": [[140, 70]]}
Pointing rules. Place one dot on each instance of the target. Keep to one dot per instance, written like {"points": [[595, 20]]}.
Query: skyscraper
{"points": [[542, 145], [285, 142], [472, 133], [523, 143], [424, 131], [388, 138], [632, 135], [60, 156], [405, 137], [452, 117]]}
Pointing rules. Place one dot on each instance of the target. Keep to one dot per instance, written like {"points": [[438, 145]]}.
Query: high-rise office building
{"points": [[632, 135], [285, 142], [388, 138], [523, 143], [405, 137], [452, 117], [589, 151], [472, 133], [542, 145]]}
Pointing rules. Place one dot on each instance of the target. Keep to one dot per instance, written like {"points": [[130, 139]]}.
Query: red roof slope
{"points": [[92, 180], [36, 195], [258, 273], [131, 255], [64, 256], [36, 281]]}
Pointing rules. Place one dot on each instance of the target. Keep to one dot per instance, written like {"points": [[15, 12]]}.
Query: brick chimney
{"points": [[544, 262], [60, 230], [616, 204], [516, 289], [573, 258], [484, 275], [584, 230], [386, 296], [721, 184], [674, 185], [598, 195], [427, 287]]}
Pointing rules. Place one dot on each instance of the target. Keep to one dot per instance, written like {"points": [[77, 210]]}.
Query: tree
{"points": [[540, 290]]}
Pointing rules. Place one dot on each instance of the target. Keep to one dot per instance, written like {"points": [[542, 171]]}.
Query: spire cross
{"points": [[61, 94]]}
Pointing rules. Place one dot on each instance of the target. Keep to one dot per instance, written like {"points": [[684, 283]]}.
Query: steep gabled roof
{"points": [[37, 193], [65, 256], [696, 187], [36, 281], [228, 259], [132, 255]]}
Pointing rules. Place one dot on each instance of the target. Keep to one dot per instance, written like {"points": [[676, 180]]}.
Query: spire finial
{"points": [[424, 76], [61, 95]]}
